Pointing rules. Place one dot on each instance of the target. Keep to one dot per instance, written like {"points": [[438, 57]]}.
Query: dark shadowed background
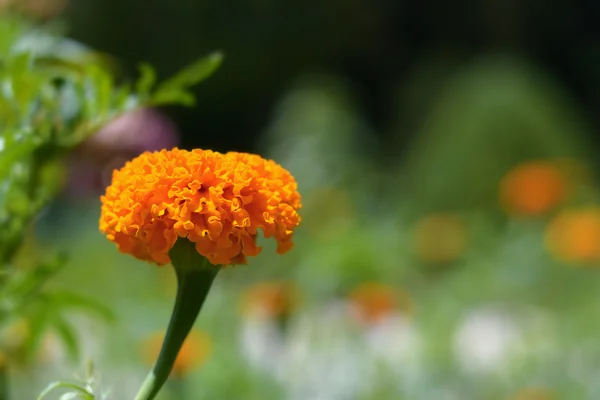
{"points": [[376, 45]]}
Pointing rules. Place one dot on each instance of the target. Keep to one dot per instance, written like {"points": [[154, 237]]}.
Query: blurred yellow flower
{"points": [[14, 339], [574, 235], [195, 351], [217, 201], [16, 334], [533, 188], [440, 238], [533, 394], [270, 299], [373, 301]]}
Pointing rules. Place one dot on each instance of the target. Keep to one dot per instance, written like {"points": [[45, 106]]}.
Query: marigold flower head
{"points": [[271, 299], [217, 201], [440, 238], [533, 188], [194, 352], [574, 235], [373, 301]]}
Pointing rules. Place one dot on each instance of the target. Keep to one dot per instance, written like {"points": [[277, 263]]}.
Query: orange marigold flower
{"points": [[271, 299], [374, 301], [533, 188], [217, 201], [194, 352], [440, 238], [574, 235]]}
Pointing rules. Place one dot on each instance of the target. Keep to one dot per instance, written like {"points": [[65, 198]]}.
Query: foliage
{"points": [[87, 390], [55, 94]]}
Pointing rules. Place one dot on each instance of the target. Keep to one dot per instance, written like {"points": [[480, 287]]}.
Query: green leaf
{"points": [[39, 323], [69, 396], [173, 96], [147, 79], [85, 394], [123, 100], [67, 334], [55, 66], [99, 92], [70, 299], [194, 74], [10, 30], [174, 90]]}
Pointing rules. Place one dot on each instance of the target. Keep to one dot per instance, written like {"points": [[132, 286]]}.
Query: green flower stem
{"points": [[3, 380], [195, 276]]}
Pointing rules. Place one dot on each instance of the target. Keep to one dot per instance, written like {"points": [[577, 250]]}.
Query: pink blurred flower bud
{"points": [[129, 135]]}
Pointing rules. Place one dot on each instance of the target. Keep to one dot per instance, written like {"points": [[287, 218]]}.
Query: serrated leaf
{"points": [[195, 73]]}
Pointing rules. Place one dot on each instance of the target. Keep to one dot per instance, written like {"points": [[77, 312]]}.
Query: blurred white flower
{"points": [[486, 340], [395, 341], [442, 393], [327, 355], [324, 358], [582, 363], [262, 344]]}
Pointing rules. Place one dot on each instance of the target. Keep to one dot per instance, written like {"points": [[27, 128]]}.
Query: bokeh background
{"points": [[451, 210]]}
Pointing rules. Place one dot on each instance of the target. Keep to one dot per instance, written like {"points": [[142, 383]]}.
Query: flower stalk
{"points": [[195, 276], [3, 378]]}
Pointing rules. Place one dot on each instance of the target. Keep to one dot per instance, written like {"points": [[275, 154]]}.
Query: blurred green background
{"points": [[445, 153]]}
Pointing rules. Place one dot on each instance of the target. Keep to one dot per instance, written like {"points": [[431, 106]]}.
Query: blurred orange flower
{"points": [[533, 188], [194, 352], [574, 235], [270, 299], [217, 201], [373, 301], [533, 394], [440, 238]]}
